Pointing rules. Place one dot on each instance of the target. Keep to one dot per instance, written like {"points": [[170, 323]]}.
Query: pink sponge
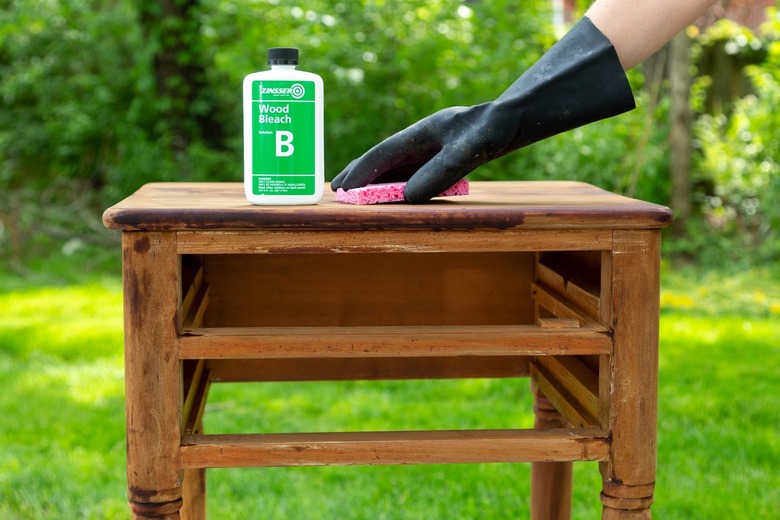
{"points": [[390, 192]]}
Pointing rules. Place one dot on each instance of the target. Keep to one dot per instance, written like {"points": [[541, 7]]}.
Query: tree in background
{"points": [[187, 109], [680, 135]]}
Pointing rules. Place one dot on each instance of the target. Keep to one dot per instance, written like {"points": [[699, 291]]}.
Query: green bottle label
{"points": [[283, 137]]}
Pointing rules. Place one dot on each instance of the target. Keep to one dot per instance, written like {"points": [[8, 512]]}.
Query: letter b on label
{"points": [[284, 146]]}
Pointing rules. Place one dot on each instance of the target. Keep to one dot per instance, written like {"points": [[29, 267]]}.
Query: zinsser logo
{"points": [[296, 91]]}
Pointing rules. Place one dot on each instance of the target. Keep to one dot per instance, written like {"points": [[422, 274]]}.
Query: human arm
{"points": [[578, 81], [638, 28]]}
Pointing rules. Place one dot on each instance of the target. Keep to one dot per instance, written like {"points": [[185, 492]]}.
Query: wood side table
{"points": [[556, 281]]}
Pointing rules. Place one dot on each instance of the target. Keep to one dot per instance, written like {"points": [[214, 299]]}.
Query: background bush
{"points": [[738, 160]]}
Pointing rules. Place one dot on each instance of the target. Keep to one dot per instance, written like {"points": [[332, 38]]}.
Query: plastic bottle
{"points": [[284, 157]]}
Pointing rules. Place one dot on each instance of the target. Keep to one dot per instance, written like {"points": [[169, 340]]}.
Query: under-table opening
{"points": [[336, 406], [365, 289], [311, 317]]}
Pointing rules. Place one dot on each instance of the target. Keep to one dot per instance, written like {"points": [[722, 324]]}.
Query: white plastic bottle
{"points": [[284, 156]]}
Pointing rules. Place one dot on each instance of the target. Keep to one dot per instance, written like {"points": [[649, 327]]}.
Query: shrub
{"points": [[737, 169]]}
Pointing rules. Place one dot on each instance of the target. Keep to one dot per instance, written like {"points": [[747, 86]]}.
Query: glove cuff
{"points": [[578, 81]]}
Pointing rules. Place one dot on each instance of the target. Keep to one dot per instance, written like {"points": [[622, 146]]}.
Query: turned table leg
{"points": [[631, 387], [152, 374], [551, 482]]}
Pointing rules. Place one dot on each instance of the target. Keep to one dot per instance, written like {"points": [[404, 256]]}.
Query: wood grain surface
{"points": [[491, 205]]}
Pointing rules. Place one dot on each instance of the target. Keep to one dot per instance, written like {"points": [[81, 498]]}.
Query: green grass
{"points": [[62, 417], [62, 402]]}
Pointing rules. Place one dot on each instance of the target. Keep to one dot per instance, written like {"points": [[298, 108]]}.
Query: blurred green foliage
{"points": [[85, 120], [737, 164]]}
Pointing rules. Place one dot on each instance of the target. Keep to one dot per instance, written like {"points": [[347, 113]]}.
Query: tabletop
{"points": [[490, 205]]}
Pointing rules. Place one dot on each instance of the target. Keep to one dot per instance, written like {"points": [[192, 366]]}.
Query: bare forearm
{"points": [[638, 28]]}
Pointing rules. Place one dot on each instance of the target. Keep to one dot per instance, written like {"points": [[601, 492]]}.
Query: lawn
{"points": [[61, 403]]}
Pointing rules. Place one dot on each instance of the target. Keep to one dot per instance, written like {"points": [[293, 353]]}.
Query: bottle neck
{"points": [[283, 67]]}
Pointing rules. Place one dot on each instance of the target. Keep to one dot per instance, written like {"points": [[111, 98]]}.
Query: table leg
{"points": [[631, 386], [194, 491], [551, 482], [152, 374]]}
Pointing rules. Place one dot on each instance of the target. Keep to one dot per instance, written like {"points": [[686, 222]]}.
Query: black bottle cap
{"points": [[283, 56]]}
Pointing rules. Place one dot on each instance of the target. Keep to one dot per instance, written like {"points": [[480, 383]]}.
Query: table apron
{"points": [[391, 241]]}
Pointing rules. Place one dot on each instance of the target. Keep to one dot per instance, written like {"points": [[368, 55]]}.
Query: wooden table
{"points": [[557, 281]]}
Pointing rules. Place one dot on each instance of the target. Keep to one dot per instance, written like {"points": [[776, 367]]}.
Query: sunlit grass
{"points": [[62, 427], [749, 293], [719, 417], [74, 322], [62, 402]]}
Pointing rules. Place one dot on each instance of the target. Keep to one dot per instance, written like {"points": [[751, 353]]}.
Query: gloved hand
{"points": [[578, 81]]}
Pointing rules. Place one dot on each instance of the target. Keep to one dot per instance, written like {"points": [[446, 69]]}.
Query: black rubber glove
{"points": [[578, 81]]}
